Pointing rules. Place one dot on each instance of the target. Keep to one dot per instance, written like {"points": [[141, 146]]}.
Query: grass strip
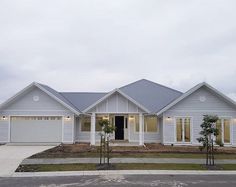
{"points": [[92, 167]]}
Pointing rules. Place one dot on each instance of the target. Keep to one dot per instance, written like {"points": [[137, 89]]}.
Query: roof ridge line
{"points": [[153, 83], [85, 92]]}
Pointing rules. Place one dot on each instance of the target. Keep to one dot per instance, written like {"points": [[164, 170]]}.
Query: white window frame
{"points": [[222, 118], [183, 133], [157, 126]]}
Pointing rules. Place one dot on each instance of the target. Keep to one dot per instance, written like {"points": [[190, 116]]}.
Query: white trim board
{"points": [[192, 90], [111, 93]]}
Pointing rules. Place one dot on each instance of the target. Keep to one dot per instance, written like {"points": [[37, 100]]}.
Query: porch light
{"points": [[168, 118], [105, 117], [67, 118], [131, 117], [4, 118]]}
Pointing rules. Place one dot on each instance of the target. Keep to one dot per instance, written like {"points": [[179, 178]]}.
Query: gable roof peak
{"points": [[194, 89], [144, 81]]}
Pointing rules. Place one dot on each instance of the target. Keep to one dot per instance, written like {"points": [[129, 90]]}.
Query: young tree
{"points": [[207, 139], [107, 129]]}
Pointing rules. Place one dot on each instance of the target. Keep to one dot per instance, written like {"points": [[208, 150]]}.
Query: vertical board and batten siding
{"points": [[132, 134], [116, 103], [45, 106], [192, 107]]}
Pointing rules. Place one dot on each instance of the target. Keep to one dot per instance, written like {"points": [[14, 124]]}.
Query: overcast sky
{"points": [[100, 45]]}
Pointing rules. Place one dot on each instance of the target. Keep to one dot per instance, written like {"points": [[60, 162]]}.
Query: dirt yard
{"points": [[85, 150]]}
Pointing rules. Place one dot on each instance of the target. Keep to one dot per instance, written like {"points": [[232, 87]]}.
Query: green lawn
{"points": [[92, 167]]}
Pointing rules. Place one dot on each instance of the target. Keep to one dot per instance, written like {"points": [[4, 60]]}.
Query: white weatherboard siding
{"points": [[26, 102], [4, 126], [68, 129], [45, 106], [192, 107], [160, 129], [84, 136]]}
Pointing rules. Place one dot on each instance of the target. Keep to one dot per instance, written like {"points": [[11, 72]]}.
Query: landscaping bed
{"points": [[149, 151], [141, 166]]}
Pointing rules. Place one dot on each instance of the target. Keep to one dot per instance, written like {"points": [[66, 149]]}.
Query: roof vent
{"points": [[36, 98], [202, 98]]}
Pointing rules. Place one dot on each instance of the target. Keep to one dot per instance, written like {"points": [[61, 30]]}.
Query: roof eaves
{"points": [[180, 98], [123, 94], [16, 95], [73, 109]]}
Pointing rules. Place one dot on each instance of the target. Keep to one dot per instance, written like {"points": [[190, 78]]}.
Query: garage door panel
{"points": [[36, 129]]}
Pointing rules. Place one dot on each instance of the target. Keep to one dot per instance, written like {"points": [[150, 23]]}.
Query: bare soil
{"points": [[85, 150]]}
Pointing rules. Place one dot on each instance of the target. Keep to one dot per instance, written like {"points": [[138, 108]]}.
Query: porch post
{"points": [[92, 131], [141, 142]]}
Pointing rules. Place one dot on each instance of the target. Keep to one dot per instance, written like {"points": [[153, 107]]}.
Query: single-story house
{"points": [[142, 112]]}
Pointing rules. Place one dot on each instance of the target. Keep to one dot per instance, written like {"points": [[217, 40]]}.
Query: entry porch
{"points": [[131, 129]]}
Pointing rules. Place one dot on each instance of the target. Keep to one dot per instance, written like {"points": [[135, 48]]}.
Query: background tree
{"points": [[208, 134], [107, 130]]}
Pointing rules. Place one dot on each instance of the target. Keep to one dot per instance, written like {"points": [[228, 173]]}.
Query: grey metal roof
{"points": [[150, 94], [82, 100], [59, 96]]}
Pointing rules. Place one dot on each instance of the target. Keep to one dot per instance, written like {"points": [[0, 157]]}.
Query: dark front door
{"points": [[119, 123]]}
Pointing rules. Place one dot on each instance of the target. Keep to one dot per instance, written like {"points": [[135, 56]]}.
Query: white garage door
{"points": [[36, 129]]}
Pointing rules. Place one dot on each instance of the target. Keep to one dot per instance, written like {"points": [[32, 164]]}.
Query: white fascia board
{"points": [[16, 95], [231, 101], [112, 92], [133, 101], [192, 90], [57, 99], [41, 88]]}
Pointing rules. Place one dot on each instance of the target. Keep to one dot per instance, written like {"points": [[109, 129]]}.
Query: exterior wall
{"points": [[116, 103], [195, 109], [68, 130], [45, 106], [4, 130], [133, 136], [161, 129], [26, 102], [84, 136]]}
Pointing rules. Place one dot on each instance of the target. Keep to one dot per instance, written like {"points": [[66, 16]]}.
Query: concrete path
{"points": [[121, 172], [12, 156], [123, 160]]}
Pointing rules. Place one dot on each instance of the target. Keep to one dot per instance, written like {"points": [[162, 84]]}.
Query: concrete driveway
{"points": [[11, 156]]}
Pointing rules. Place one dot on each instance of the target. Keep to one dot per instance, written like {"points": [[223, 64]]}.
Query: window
{"points": [[224, 130], [97, 126], [85, 124], [150, 124], [179, 129], [136, 121], [183, 129]]}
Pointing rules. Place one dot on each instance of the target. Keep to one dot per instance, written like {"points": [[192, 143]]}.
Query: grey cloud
{"points": [[99, 45]]}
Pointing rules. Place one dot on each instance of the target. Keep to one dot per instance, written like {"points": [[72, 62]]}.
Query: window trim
{"points": [[80, 125], [222, 118], [145, 132], [158, 127], [191, 129]]}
